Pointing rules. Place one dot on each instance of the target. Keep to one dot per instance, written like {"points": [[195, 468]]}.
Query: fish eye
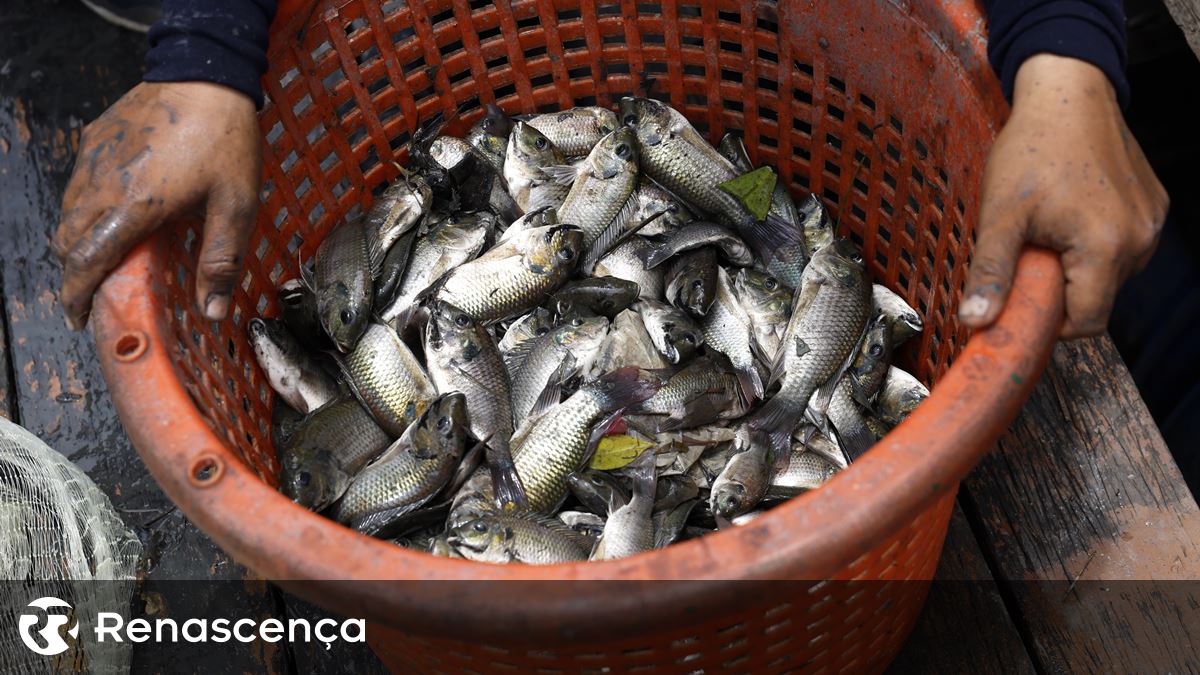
{"points": [[770, 284], [697, 284], [480, 526], [540, 143], [347, 317], [606, 304], [462, 321], [565, 253], [304, 478], [691, 339], [577, 321], [631, 120], [623, 151], [488, 123], [876, 350], [443, 423]]}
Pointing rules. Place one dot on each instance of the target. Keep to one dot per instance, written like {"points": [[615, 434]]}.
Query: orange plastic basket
{"points": [[884, 108]]}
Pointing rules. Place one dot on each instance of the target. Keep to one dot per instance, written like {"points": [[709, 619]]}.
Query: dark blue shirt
{"points": [[225, 41]]}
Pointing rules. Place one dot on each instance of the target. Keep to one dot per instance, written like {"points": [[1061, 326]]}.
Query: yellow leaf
{"points": [[614, 452]]}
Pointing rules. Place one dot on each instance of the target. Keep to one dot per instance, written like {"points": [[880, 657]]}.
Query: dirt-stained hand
{"points": [[1065, 173], [161, 151]]}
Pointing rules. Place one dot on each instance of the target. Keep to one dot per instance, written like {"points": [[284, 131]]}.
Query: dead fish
{"points": [[806, 470], [602, 198], [397, 210], [395, 264], [489, 137], [535, 324], [744, 480], [829, 313], [451, 240], [817, 226], [540, 366], [727, 329], [346, 263], [629, 530], [673, 491], [661, 211], [669, 525], [389, 381], [577, 130], [291, 371], [768, 305], [905, 321], [542, 217], [588, 524], [870, 365], [627, 344], [625, 262], [675, 334], [696, 235], [901, 394], [328, 449], [692, 281], [525, 539], [699, 394], [603, 296], [597, 490], [513, 277], [529, 154], [284, 421], [412, 471]]}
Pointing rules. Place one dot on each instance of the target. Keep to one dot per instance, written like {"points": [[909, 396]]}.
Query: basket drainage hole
{"points": [[206, 471], [130, 346]]}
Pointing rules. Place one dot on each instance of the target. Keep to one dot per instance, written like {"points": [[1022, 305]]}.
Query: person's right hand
{"points": [[163, 150]]}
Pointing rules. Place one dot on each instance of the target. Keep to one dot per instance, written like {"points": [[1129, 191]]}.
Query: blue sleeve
{"points": [[221, 41], [1089, 30]]}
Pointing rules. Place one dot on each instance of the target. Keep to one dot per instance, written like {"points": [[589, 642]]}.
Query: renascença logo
{"points": [[49, 633], [111, 626]]}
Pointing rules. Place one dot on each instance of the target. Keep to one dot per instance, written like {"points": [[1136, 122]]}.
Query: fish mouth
{"points": [[257, 327], [457, 542]]}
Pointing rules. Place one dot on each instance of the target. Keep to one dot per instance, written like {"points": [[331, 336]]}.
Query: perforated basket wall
{"points": [[883, 108]]}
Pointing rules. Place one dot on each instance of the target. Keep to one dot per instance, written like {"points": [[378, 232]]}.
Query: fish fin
{"points": [[306, 274], [723, 523], [653, 257], [623, 387], [818, 412], [750, 383], [760, 354], [393, 523], [507, 488], [466, 468], [516, 357], [615, 234], [638, 424], [552, 393], [562, 174], [642, 471], [778, 418], [856, 439], [598, 432], [771, 235]]}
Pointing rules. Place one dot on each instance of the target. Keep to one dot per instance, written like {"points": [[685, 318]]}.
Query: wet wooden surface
{"points": [[1081, 484]]}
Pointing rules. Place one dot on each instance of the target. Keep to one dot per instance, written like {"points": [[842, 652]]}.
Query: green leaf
{"points": [[614, 452], [754, 189]]}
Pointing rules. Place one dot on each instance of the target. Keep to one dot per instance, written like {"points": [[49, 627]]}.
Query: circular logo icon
{"points": [[50, 634]]}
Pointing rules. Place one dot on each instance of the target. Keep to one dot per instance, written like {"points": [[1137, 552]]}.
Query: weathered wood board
{"points": [[964, 626], [1187, 14], [1083, 487]]}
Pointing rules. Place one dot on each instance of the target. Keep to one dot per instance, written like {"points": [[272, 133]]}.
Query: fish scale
{"points": [[387, 378], [554, 449]]}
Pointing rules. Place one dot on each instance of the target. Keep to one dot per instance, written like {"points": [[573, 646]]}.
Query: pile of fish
{"points": [[577, 335]]}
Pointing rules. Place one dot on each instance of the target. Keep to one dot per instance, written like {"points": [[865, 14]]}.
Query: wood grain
{"points": [[1187, 14], [964, 626], [1083, 483]]}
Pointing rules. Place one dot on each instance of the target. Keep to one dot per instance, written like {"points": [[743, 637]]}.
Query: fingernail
{"points": [[974, 307], [71, 323], [216, 307]]}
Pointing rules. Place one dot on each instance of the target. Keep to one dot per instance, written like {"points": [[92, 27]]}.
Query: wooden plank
{"points": [[964, 626], [63, 66], [1187, 15], [1082, 486]]}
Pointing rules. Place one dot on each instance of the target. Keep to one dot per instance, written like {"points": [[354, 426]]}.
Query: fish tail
{"points": [[750, 383], [773, 234], [852, 432], [778, 418], [507, 488], [644, 480], [623, 387], [654, 257]]}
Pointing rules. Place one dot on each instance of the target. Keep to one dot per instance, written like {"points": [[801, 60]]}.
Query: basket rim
{"points": [[813, 537]]}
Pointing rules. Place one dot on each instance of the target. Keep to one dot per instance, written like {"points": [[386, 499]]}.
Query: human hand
{"points": [[161, 151], [1065, 173]]}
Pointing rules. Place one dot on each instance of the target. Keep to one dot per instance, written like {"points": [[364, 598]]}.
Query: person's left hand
{"points": [[1065, 173]]}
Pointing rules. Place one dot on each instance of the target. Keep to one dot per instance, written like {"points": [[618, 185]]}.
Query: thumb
{"points": [[1001, 234], [227, 227]]}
